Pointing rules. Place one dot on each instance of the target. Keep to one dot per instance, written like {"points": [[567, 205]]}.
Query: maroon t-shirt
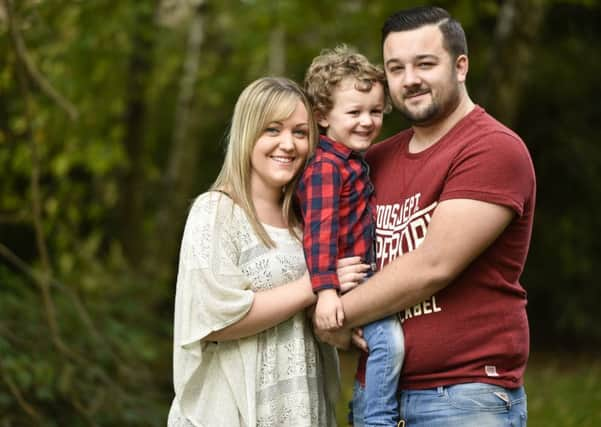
{"points": [[475, 329]]}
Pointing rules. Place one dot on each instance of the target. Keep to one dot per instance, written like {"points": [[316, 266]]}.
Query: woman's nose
{"points": [[286, 141]]}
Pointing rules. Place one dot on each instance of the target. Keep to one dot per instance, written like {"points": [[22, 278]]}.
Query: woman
{"points": [[244, 352]]}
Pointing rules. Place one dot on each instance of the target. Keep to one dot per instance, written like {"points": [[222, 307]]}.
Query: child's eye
{"points": [[376, 112], [353, 112]]}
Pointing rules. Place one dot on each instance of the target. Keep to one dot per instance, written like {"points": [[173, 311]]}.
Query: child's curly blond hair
{"points": [[334, 65]]}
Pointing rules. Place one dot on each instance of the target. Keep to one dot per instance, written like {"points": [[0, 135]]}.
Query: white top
{"points": [[279, 377]]}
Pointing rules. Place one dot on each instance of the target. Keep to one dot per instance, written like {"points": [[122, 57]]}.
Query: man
{"points": [[455, 203]]}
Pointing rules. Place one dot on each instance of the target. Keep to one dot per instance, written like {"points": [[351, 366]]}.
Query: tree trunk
{"points": [[179, 178], [518, 25], [132, 196]]}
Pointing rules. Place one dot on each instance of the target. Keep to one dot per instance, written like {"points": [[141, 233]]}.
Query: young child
{"points": [[337, 203]]}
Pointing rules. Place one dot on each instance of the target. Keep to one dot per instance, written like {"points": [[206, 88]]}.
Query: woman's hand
{"points": [[351, 272]]}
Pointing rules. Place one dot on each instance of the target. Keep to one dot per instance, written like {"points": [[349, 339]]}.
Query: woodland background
{"points": [[112, 118]]}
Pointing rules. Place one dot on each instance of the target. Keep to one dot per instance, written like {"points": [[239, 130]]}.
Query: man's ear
{"points": [[462, 65]]}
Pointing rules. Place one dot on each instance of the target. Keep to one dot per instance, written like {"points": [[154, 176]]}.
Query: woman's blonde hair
{"points": [[262, 102], [334, 65]]}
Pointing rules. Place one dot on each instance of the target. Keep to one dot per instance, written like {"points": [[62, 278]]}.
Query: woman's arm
{"points": [[269, 308], [276, 305]]}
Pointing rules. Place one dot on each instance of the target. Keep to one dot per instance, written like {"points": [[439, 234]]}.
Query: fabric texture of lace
{"points": [[291, 368]]}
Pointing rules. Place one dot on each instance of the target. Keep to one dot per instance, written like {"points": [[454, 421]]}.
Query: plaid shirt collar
{"points": [[337, 148]]}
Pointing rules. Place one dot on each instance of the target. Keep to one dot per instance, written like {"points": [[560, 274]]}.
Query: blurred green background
{"points": [[112, 117]]}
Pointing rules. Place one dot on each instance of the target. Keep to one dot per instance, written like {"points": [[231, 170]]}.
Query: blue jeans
{"points": [[464, 405], [377, 404]]}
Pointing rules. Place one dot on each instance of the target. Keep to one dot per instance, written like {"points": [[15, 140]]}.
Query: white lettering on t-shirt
{"points": [[428, 306], [400, 228]]}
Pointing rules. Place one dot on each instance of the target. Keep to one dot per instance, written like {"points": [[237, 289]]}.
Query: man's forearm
{"points": [[403, 283], [460, 230]]}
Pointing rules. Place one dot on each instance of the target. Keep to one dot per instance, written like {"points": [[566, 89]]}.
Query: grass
{"points": [[564, 390]]}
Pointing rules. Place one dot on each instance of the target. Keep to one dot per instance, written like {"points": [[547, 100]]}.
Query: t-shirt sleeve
{"points": [[496, 168], [319, 196], [212, 292]]}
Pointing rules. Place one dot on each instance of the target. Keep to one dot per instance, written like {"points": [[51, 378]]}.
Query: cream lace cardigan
{"points": [[217, 384]]}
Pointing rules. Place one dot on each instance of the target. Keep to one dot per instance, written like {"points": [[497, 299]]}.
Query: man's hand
{"points": [[351, 272], [340, 338], [358, 339], [329, 314]]}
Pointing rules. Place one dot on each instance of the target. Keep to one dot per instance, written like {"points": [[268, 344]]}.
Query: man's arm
{"points": [[460, 230]]}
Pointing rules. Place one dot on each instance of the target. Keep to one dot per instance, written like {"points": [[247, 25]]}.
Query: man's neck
{"points": [[426, 136]]}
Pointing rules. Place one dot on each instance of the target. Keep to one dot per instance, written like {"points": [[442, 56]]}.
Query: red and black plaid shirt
{"points": [[337, 203]]}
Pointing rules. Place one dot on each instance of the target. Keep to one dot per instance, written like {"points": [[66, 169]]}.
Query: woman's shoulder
{"points": [[214, 202]]}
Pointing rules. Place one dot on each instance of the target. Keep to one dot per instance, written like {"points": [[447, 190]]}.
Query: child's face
{"points": [[356, 117]]}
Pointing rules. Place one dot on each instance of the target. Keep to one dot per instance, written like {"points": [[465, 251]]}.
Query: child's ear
{"points": [[321, 120]]}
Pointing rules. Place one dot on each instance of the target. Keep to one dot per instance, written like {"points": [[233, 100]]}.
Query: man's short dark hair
{"points": [[454, 40]]}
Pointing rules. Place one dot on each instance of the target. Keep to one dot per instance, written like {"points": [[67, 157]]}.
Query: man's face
{"points": [[422, 76]]}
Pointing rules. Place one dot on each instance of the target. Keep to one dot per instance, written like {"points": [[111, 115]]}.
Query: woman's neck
{"points": [[269, 209]]}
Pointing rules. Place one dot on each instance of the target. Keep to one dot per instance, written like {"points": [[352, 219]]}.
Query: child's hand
{"points": [[329, 314]]}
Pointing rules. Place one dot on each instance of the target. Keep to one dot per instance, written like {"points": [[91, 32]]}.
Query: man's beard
{"points": [[439, 107], [421, 117]]}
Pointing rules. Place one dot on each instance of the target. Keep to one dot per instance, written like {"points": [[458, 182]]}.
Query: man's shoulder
{"points": [[485, 124], [493, 135]]}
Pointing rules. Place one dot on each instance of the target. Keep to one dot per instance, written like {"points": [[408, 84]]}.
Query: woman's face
{"points": [[280, 152]]}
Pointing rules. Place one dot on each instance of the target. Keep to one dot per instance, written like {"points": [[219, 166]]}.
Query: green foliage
{"points": [[560, 127], [116, 345], [563, 390]]}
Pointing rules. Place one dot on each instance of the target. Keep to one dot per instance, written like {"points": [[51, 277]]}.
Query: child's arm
{"points": [[328, 312], [319, 192]]}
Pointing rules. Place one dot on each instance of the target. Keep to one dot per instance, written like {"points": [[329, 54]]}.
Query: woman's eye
{"points": [[300, 133], [272, 131]]}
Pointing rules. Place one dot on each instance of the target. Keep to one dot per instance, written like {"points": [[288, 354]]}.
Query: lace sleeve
{"points": [[212, 292]]}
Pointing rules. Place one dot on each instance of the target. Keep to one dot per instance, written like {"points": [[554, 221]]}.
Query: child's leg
{"points": [[386, 352]]}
